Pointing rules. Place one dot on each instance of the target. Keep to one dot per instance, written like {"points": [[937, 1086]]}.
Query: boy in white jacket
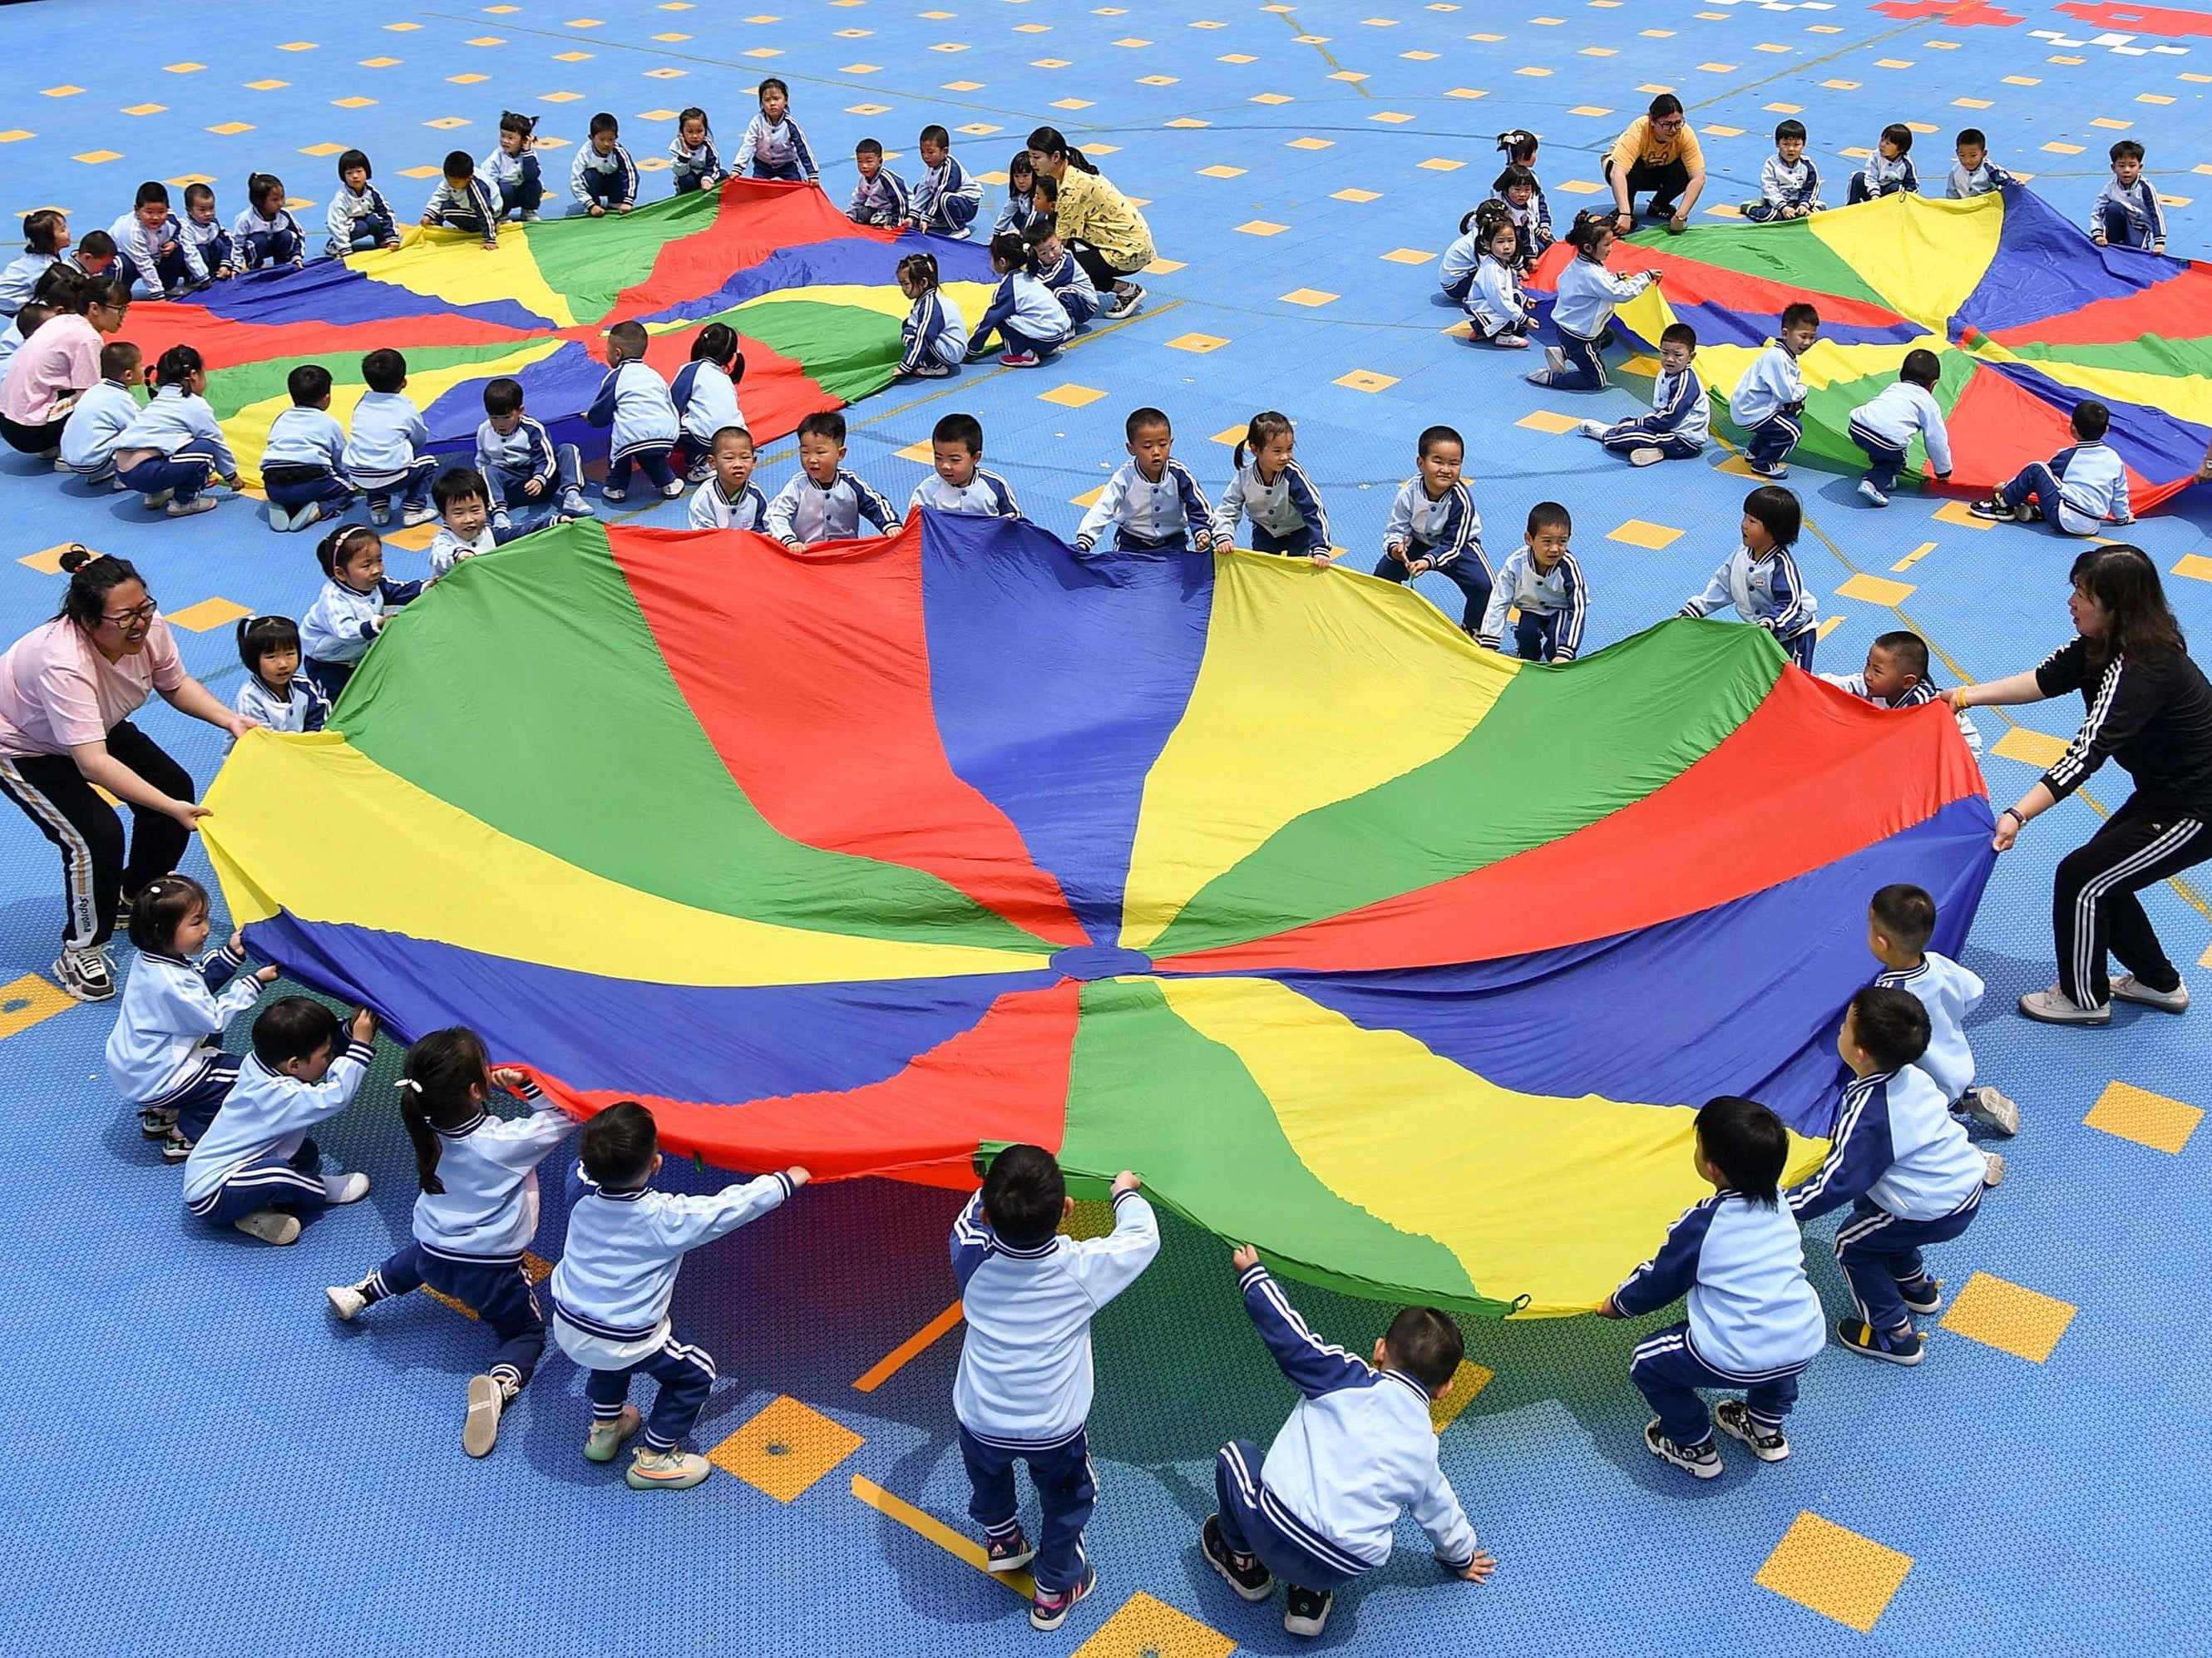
{"points": [[1884, 427], [1769, 400]]}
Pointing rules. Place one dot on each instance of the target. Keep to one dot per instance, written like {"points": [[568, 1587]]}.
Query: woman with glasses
{"points": [[1658, 152], [59, 364], [67, 692]]}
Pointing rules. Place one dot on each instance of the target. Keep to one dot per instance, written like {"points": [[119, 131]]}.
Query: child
{"points": [[173, 446], [1464, 256], [634, 401], [697, 166], [1287, 516], [165, 1054], [729, 500], [1501, 313], [25, 323], [1761, 578], [522, 466], [1883, 428], [384, 454], [774, 147], [881, 197], [1889, 170], [218, 252], [151, 249], [603, 175], [465, 514], [1975, 173], [1519, 148], [1754, 1320], [462, 201], [1896, 676], [616, 1278], [934, 332], [1900, 923], [513, 169], [255, 1169], [1903, 1162], [1022, 309], [1586, 295], [103, 413], [45, 239], [2074, 491], [1542, 579], [1020, 211], [957, 484], [95, 256], [823, 501], [1789, 185], [475, 1213], [2127, 210], [360, 218], [1152, 500], [1320, 1511], [275, 693], [945, 199], [1434, 526], [265, 233], [1769, 399], [1681, 413], [1023, 1388], [705, 396], [349, 612], [1062, 273], [1515, 190], [303, 466]]}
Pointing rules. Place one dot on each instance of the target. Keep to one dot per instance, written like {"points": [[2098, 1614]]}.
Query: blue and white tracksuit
{"points": [[473, 206], [274, 240], [469, 1238], [509, 463], [777, 151], [1984, 180], [2128, 218], [1321, 1508], [1769, 403], [1553, 604], [711, 509], [1461, 260], [192, 449], [1019, 214], [102, 415], [1883, 429], [384, 452], [1446, 531], [935, 336], [1949, 993], [1072, 286], [256, 1154], [985, 496], [357, 223], [216, 248], [705, 399], [1500, 311], [1784, 188], [165, 1051], [302, 708], [1023, 1388], [1754, 1320], [19, 276], [1532, 227], [1926, 691], [1903, 1161], [633, 399], [881, 201], [1588, 293], [519, 179], [2078, 489], [342, 623], [305, 461], [1880, 177], [138, 262], [11, 342], [448, 550], [1167, 514], [945, 200], [606, 181], [1681, 420], [804, 512], [615, 1278], [696, 169], [1287, 513], [1026, 314], [1769, 593]]}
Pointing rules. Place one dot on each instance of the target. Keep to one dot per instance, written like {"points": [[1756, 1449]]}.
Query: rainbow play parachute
{"points": [[1397, 957]]}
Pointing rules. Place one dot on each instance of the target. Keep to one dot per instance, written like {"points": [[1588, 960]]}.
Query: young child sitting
{"points": [[1514, 190], [705, 394], [1433, 526], [1883, 428], [1463, 259], [691, 153], [1896, 676], [1021, 209], [303, 466], [1152, 501], [774, 147], [934, 333], [1540, 578], [2127, 210], [1900, 921], [513, 169], [2076, 490], [1769, 399], [173, 447], [823, 501], [1061, 273], [880, 198], [217, 250], [729, 499], [165, 1054], [1501, 314], [1889, 169], [45, 239], [264, 234], [1287, 516], [633, 399], [1519, 146], [462, 201], [103, 413], [97, 255], [360, 218], [1588, 295], [1789, 185], [275, 693], [945, 200], [151, 249], [603, 175], [1319, 1510], [1903, 1162], [617, 1278], [1023, 1388], [1761, 578], [477, 1212], [350, 611], [1682, 416], [1975, 173], [464, 514], [254, 1167], [384, 452], [1753, 1320], [1022, 310], [523, 468], [956, 483]]}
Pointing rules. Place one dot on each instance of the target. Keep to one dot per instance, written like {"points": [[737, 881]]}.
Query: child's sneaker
{"points": [[156, 1122], [1594, 428], [311, 514], [2129, 989], [1767, 469], [270, 1226], [347, 1300], [1008, 1553], [1701, 1460], [1924, 1295], [1019, 359], [529, 215], [609, 1433], [1244, 1572], [1049, 1611], [346, 1189], [1994, 508], [1871, 493], [1993, 1167], [1646, 456], [175, 1148], [1987, 1108], [935, 369], [574, 504], [1555, 359], [1307, 1610], [698, 472], [670, 1470], [153, 500], [1860, 1337], [421, 512], [83, 972], [186, 508], [673, 489], [380, 513], [280, 517], [480, 1428], [606, 494], [1734, 1419]]}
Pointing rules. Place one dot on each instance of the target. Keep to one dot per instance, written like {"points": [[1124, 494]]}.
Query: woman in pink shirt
{"points": [[67, 692], [58, 363]]}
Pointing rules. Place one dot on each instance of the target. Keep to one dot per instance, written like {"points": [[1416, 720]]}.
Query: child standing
{"points": [[475, 1213], [774, 147], [823, 501], [1896, 676], [2076, 489], [1501, 313], [1434, 526], [1519, 146], [1789, 185], [1883, 428], [1022, 310], [465, 512], [255, 1169], [303, 467], [603, 175], [1903, 1162], [1681, 414], [173, 446], [1754, 1318], [2127, 210], [1761, 578], [265, 234], [1889, 170], [1287, 516], [946, 200], [1541, 579], [1515, 191], [729, 500], [165, 1054], [1900, 921], [616, 1278], [151, 248], [1152, 501], [462, 201], [275, 696], [45, 239], [1319, 1510], [1020, 211], [384, 454], [705, 396], [1023, 1389], [1769, 400], [360, 218], [697, 166], [881, 197], [103, 413], [934, 333], [523, 468], [956, 483], [513, 169], [1975, 173], [1587, 296], [217, 251], [634, 401], [350, 611]]}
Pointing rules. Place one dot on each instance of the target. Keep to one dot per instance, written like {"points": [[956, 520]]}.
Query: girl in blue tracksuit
{"points": [[348, 613], [266, 234], [705, 394], [174, 446], [1023, 311], [934, 333], [1761, 579], [477, 1213], [1287, 516], [1494, 303], [1588, 293]]}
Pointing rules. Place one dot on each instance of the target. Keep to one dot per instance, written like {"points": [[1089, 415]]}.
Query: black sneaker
{"points": [[1009, 1553], [1660, 210], [1243, 1571], [1859, 1336], [1048, 1611], [1307, 1610], [1735, 1419], [1994, 509], [175, 1148], [1701, 1460], [1924, 1295], [157, 1123]]}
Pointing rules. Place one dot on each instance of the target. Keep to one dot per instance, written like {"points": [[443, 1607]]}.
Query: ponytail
{"points": [[1265, 426], [177, 365], [435, 1084], [1008, 248], [921, 268]]}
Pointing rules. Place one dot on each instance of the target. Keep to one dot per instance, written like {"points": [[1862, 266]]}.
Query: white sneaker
{"points": [[83, 971], [575, 506], [673, 489], [2054, 1006], [1871, 494], [2129, 989], [420, 512], [270, 1226], [347, 1301], [156, 501], [1993, 1167], [1555, 359], [480, 1428], [1646, 456], [1992, 1111], [666, 1470], [187, 509], [347, 1188], [1593, 428], [379, 514]]}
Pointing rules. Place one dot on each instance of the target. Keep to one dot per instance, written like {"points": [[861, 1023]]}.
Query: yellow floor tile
{"points": [[1543, 419], [2196, 565], [1146, 1628], [1834, 1571], [28, 1001], [1408, 256], [785, 1449], [1875, 590], [1367, 380], [1309, 296], [2148, 1119], [1469, 1379], [1261, 227], [207, 614], [1071, 396], [1637, 533], [1088, 499], [929, 1527], [1582, 187], [1954, 511], [921, 453], [1163, 267], [2031, 748], [1828, 626], [1200, 343], [1221, 173], [416, 540], [1440, 164], [1310, 144], [2010, 1317], [1355, 194]]}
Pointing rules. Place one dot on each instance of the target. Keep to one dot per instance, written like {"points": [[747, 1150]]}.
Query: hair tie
{"points": [[410, 1083]]}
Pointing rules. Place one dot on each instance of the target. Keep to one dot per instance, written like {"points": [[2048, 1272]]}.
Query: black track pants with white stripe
{"points": [[55, 796], [2093, 904]]}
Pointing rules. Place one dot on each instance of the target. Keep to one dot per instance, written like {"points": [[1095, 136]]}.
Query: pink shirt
{"points": [[62, 356], [57, 691]]}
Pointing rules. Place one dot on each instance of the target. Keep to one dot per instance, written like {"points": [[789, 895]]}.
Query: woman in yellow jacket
{"points": [[1108, 238]]}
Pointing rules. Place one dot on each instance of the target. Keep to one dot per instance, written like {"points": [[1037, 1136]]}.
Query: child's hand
{"points": [[1243, 1258], [1657, 275], [1322, 561], [534, 489], [596, 211], [1420, 567], [1606, 1309], [624, 208], [797, 1175], [1478, 1569], [509, 1078], [430, 219], [238, 943], [270, 975], [1126, 1181], [364, 1025]]}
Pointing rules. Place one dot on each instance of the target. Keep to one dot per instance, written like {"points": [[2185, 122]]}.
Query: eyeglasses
{"points": [[124, 618]]}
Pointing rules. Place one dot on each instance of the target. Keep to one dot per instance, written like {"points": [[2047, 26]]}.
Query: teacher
{"points": [[1108, 238], [67, 692], [2150, 708], [59, 362], [1658, 152]]}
